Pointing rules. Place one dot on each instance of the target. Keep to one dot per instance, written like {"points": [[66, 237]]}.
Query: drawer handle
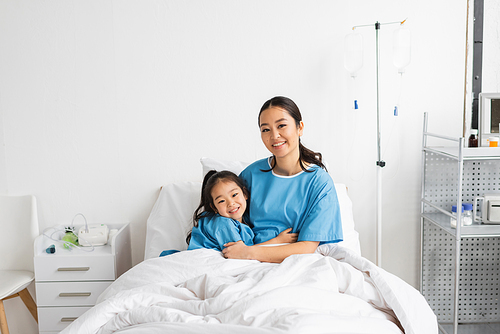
{"points": [[73, 269], [74, 294], [68, 319]]}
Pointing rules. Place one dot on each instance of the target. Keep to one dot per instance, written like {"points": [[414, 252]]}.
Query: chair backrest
{"points": [[18, 230]]}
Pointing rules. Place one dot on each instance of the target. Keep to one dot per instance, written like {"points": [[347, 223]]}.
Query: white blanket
{"points": [[332, 291]]}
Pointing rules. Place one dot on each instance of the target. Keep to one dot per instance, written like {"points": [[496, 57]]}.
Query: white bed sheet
{"points": [[332, 291]]}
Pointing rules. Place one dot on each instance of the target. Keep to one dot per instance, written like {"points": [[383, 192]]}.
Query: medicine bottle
{"points": [[467, 216], [473, 142], [493, 141], [453, 218]]}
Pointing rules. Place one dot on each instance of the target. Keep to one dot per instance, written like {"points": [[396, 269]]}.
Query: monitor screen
{"points": [[489, 116]]}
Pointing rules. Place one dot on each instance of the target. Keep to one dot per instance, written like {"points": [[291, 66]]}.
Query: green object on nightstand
{"points": [[70, 237]]}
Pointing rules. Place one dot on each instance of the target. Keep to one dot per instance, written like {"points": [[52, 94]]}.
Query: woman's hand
{"points": [[276, 254], [237, 250], [286, 237]]}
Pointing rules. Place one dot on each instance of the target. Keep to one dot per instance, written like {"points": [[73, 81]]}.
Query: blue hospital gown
{"points": [[214, 231], [307, 202]]}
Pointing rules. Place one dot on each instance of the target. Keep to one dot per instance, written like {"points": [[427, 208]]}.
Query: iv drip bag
{"points": [[402, 48], [353, 53]]}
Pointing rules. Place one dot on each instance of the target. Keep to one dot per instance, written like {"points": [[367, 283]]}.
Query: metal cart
{"points": [[460, 267]]}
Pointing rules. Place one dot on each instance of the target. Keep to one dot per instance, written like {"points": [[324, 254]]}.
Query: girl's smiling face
{"points": [[279, 132], [229, 200]]}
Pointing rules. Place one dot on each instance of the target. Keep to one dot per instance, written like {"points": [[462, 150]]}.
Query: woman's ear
{"points": [[301, 128]]}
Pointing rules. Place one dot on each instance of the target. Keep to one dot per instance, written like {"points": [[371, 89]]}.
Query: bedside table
{"points": [[68, 282]]}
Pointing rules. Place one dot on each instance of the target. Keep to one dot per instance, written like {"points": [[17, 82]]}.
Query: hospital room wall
{"points": [[103, 102]]}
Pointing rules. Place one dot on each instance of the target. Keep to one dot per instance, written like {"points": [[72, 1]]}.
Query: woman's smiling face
{"points": [[279, 132]]}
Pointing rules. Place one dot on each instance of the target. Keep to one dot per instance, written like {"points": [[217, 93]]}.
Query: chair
{"points": [[19, 228]]}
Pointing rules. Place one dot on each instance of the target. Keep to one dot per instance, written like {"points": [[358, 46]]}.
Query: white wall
{"points": [[103, 102], [491, 47]]}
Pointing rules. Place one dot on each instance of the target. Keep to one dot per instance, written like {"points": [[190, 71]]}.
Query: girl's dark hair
{"points": [[206, 207], [306, 155]]}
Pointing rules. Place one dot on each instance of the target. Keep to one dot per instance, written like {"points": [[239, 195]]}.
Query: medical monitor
{"points": [[489, 116]]}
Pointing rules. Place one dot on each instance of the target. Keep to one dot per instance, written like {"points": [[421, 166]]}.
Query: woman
{"points": [[290, 189]]}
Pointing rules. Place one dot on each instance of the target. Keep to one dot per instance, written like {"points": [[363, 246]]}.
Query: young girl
{"points": [[219, 217]]}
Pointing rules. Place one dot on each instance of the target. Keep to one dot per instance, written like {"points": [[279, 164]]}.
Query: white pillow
{"points": [[171, 217], [351, 236]]}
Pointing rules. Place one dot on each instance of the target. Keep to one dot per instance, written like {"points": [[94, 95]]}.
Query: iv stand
{"points": [[380, 162]]}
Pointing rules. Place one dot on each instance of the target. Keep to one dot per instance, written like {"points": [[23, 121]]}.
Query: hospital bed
{"points": [[335, 290]]}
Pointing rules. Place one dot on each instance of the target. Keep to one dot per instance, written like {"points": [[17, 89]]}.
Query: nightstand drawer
{"points": [[69, 293], [55, 319], [74, 268]]}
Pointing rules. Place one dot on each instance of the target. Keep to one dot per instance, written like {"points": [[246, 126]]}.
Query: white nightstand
{"points": [[69, 282]]}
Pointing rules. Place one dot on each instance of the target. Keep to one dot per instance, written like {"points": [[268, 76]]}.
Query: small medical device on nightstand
{"points": [[93, 235], [490, 210]]}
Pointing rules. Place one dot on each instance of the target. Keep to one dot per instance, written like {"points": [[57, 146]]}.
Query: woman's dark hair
{"points": [[306, 155], [206, 207]]}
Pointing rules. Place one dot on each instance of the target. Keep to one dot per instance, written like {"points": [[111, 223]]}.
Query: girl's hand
{"points": [[286, 237], [237, 250]]}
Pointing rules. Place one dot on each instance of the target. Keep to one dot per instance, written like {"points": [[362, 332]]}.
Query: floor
{"points": [[487, 328]]}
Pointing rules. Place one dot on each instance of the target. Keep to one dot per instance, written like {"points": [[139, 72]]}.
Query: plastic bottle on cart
{"points": [[467, 215], [453, 219], [473, 138]]}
